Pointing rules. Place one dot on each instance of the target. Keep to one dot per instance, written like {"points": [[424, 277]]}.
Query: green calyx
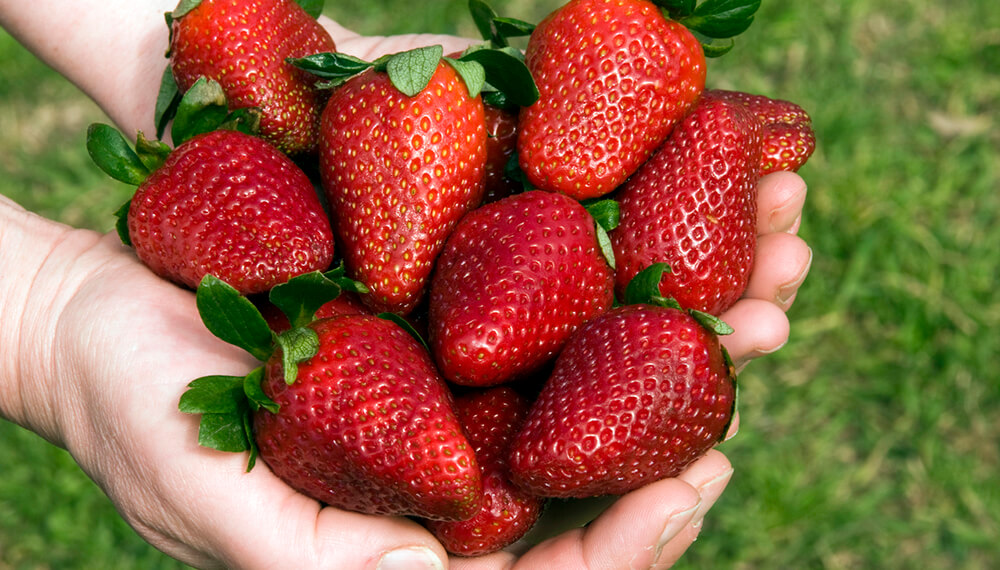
{"points": [[201, 109], [226, 403], [483, 70], [714, 22], [495, 29], [644, 288], [607, 215]]}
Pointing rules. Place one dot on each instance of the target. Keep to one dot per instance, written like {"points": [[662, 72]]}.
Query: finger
{"points": [[780, 198], [629, 534], [760, 328], [253, 520], [709, 476], [782, 264]]}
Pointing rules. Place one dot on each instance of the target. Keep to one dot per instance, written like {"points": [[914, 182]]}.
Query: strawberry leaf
{"points": [[606, 212], [224, 431], [301, 296], [472, 74], [312, 7], [114, 155], [121, 223], [677, 9], [167, 100], [233, 318], [202, 109], [152, 153], [297, 345], [495, 29], [255, 394], [506, 71], [645, 287], [483, 16], [339, 275], [712, 322], [183, 7], [213, 395], [722, 19], [335, 68], [607, 215], [411, 71]]}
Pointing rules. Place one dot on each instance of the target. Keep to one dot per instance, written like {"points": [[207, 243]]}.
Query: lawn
{"points": [[872, 440]]}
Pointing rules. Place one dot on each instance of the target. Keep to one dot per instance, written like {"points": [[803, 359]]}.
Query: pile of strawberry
{"points": [[474, 282]]}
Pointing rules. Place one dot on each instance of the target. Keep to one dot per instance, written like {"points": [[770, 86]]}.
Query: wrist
{"points": [[38, 255]]}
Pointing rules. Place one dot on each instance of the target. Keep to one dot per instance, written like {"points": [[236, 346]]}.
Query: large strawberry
{"points": [[637, 394], [613, 76], [491, 419], [516, 278], [693, 205], [399, 169], [789, 139], [243, 46], [221, 202], [348, 410]]}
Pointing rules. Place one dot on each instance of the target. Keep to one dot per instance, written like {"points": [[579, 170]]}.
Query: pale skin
{"points": [[96, 350]]}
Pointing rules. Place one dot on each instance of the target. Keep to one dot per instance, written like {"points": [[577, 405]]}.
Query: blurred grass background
{"points": [[872, 440]]}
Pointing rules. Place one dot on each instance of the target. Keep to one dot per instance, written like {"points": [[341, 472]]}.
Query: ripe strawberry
{"points": [[491, 418], [399, 171], [613, 76], [243, 46], [515, 279], [693, 205], [232, 205], [368, 425], [789, 139], [636, 395], [501, 145]]}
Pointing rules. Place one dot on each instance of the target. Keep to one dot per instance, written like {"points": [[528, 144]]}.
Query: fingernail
{"points": [[410, 558], [787, 292], [710, 493], [674, 525]]}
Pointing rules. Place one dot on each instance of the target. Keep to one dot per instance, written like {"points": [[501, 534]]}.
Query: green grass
{"points": [[869, 441]]}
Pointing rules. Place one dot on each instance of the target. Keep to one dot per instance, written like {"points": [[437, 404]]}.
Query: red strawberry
{"points": [[693, 205], [613, 77], [232, 205], [515, 279], [243, 46], [501, 144], [399, 172], [491, 419], [367, 425], [636, 395], [789, 139]]}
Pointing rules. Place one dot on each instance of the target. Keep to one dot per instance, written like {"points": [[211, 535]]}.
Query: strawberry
{"points": [[491, 418], [243, 46], [348, 410], [222, 202], [693, 205], [399, 171], [501, 145], [613, 77], [367, 425], [789, 139], [637, 394], [516, 277]]}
